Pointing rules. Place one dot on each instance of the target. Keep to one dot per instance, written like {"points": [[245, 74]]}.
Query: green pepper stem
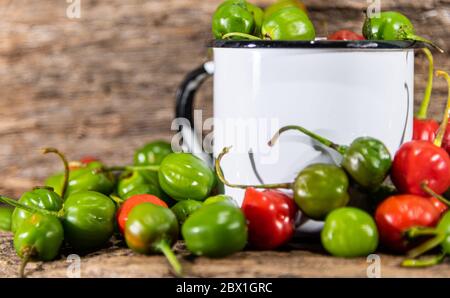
{"points": [[339, 148], [66, 168], [425, 262], [444, 124], [426, 246], [239, 34], [117, 200], [221, 176], [423, 111], [171, 257], [432, 193], [419, 231], [410, 36], [30, 209], [130, 168], [27, 254]]}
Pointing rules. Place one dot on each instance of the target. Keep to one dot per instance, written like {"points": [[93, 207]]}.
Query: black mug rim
{"points": [[319, 44]]}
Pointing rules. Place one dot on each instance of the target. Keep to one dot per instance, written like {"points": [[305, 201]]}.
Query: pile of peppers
{"points": [[164, 197], [288, 20]]}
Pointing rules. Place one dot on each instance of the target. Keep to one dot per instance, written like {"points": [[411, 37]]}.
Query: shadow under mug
{"points": [[339, 89]]}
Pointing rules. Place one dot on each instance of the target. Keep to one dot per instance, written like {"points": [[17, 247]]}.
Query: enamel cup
{"points": [[340, 90]]}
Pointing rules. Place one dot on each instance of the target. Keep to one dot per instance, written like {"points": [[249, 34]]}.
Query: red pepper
{"points": [[88, 159], [439, 205], [270, 216], [345, 35], [397, 214], [130, 203], [419, 162], [426, 129]]}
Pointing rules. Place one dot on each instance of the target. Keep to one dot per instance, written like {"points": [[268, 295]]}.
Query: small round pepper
{"points": [[232, 16], [289, 23], [88, 220], [184, 209], [349, 232], [43, 198], [392, 25], [184, 176], [152, 154], [215, 231], [153, 229], [220, 198], [126, 207], [5, 218], [39, 237]]}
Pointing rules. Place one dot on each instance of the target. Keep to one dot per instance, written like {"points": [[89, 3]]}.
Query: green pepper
{"points": [[43, 198], [318, 189], [366, 160], [233, 16], [39, 237], [152, 154], [183, 209], [184, 176], [392, 25], [88, 177], [88, 219], [5, 218], [289, 23], [216, 230], [321, 188], [138, 183], [220, 198], [153, 229], [280, 4], [349, 232], [258, 16]]}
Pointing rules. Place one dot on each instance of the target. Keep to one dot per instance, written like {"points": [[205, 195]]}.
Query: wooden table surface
{"points": [[104, 84]]}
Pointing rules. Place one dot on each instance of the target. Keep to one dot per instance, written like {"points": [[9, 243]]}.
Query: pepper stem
{"points": [[117, 200], [444, 124], [171, 257], [425, 262], [66, 168], [432, 193], [426, 246], [419, 231], [27, 253], [30, 209], [130, 168], [238, 34], [423, 111], [339, 148], [410, 36], [221, 176]]}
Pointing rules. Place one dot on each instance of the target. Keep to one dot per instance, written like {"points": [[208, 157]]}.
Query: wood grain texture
{"points": [[104, 84], [291, 262]]}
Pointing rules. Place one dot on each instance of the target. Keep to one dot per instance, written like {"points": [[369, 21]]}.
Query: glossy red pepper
{"points": [[270, 216], [426, 129], [419, 162], [439, 205], [397, 214], [345, 35], [130, 203]]}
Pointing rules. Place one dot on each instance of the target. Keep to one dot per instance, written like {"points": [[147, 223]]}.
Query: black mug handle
{"points": [[185, 103], [188, 88]]}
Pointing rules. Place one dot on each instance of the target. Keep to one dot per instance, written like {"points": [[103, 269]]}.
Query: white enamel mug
{"points": [[340, 90]]}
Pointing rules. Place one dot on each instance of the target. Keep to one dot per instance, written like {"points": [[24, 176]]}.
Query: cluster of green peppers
{"points": [[78, 208], [288, 20]]}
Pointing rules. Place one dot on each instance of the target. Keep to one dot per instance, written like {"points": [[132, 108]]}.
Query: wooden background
{"points": [[104, 84]]}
